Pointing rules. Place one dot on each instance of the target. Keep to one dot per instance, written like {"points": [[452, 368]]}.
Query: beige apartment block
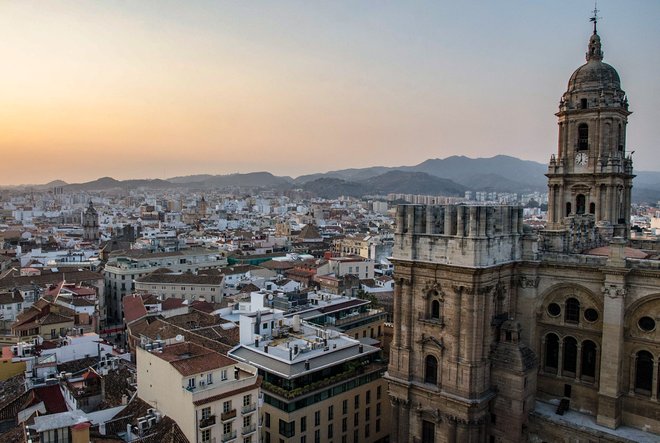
{"points": [[319, 385], [213, 398]]}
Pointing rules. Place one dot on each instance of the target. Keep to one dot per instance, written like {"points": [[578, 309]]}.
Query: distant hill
{"points": [[390, 182], [449, 176], [405, 182]]}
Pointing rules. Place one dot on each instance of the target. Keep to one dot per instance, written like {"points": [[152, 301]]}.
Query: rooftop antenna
{"points": [[595, 17]]}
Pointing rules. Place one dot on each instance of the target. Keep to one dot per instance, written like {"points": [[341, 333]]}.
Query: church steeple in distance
{"points": [[590, 173]]}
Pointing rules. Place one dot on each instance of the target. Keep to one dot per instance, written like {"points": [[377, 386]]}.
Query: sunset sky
{"points": [[146, 89]]}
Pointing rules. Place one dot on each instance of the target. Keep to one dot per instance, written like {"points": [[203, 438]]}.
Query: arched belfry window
{"points": [[644, 372], [583, 137], [572, 311], [580, 204], [431, 370], [435, 309], [551, 353]]}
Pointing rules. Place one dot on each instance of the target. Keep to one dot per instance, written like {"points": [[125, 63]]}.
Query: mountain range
{"points": [[450, 176]]}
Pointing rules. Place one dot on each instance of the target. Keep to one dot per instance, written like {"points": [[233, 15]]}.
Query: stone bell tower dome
{"points": [[591, 174]]}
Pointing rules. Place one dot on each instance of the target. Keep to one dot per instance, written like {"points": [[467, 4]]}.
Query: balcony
{"points": [[249, 408], [206, 422], [229, 436], [426, 318], [228, 415], [248, 429]]}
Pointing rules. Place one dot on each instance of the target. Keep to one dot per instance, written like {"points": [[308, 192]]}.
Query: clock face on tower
{"points": [[581, 159]]}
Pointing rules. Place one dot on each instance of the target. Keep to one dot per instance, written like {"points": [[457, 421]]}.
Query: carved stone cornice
{"points": [[432, 340], [613, 291], [461, 289], [528, 281], [431, 287]]}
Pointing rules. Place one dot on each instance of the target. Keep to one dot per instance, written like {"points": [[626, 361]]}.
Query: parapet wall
{"points": [[461, 235]]}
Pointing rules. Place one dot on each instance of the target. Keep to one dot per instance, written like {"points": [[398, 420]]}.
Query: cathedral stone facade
{"points": [[495, 323], [90, 223]]}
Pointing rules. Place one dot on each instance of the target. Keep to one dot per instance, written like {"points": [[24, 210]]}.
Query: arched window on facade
{"points": [[580, 204], [436, 311], [592, 208], [572, 311], [568, 208], [431, 370], [551, 353], [569, 358], [644, 372], [583, 137], [588, 359]]}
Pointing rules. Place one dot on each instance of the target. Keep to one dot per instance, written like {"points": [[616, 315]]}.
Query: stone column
{"points": [[654, 385], [551, 204], [560, 357], [578, 362], [397, 313], [631, 378]]}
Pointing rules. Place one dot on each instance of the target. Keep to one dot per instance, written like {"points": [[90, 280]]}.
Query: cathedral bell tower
{"points": [[591, 173]]}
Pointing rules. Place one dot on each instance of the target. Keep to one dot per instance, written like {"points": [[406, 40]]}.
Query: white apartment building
{"points": [[182, 285], [124, 267], [213, 398]]}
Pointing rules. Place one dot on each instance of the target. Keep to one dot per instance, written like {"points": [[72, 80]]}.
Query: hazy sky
{"points": [[136, 89]]}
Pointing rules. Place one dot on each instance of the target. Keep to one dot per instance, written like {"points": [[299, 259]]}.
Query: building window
{"points": [[377, 426], [209, 378], [431, 370], [592, 208], [226, 406], [267, 420], [330, 430], [287, 429], [344, 407], [569, 361], [368, 399], [377, 409], [223, 374], [206, 435], [191, 383], [226, 428], [435, 309], [303, 439], [317, 436], [356, 419], [583, 137], [247, 420], [551, 353], [580, 204], [644, 372], [583, 103], [247, 400], [588, 359], [331, 412], [303, 424], [366, 430], [568, 208], [344, 424], [367, 414], [428, 432], [206, 413], [357, 401], [378, 392], [572, 314], [317, 418]]}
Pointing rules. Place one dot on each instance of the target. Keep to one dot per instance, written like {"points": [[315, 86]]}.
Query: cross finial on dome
{"points": [[594, 18]]}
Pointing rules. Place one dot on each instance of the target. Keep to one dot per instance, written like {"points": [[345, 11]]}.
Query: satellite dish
{"points": [[179, 338]]}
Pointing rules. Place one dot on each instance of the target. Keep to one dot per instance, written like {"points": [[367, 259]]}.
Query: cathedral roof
{"points": [[629, 252], [594, 75]]}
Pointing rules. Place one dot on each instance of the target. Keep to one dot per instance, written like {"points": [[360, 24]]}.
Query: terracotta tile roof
{"points": [[189, 358], [133, 308], [9, 297], [52, 398], [54, 318], [50, 278], [277, 264], [171, 303]]}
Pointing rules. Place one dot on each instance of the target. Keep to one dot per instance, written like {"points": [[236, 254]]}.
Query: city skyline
{"points": [[149, 90]]}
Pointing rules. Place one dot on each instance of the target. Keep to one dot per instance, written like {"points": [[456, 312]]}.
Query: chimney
{"points": [[307, 365]]}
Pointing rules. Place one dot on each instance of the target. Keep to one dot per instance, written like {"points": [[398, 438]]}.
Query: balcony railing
{"points": [[249, 429], [424, 317], [229, 436], [249, 408], [206, 422], [228, 415]]}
